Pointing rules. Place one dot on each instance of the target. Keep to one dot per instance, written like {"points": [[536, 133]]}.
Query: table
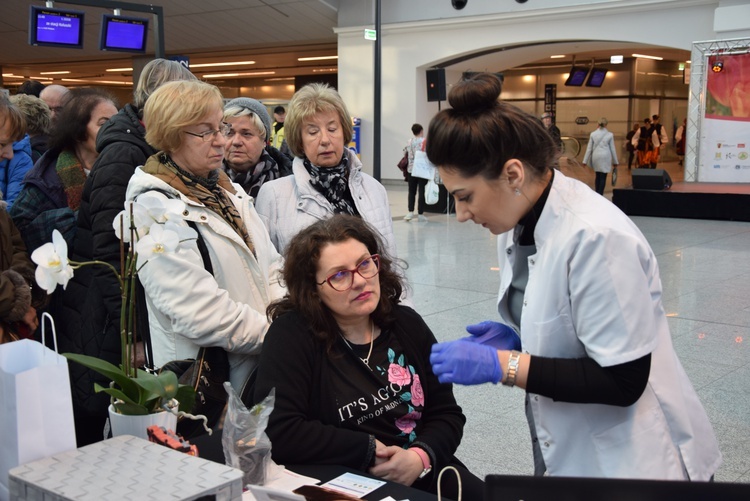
{"points": [[210, 448]]}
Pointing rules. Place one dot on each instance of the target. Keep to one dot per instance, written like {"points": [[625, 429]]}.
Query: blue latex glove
{"points": [[497, 335], [465, 363]]}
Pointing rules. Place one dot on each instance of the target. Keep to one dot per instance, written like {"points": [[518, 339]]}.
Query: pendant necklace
{"points": [[366, 360]]}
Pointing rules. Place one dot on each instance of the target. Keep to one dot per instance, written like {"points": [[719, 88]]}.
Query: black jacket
{"points": [[94, 291]]}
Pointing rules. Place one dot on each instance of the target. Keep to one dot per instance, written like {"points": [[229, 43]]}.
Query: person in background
{"points": [[30, 88], [601, 154], [645, 140], [52, 188], [278, 137], [350, 366], [249, 160], [416, 184], [54, 95], [662, 139], [629, 145], [328, 177], [552, 129], [188, 305], [38, 121], [582, 326], [13, 170], [17, 314], [679, 140], [93, 294]]}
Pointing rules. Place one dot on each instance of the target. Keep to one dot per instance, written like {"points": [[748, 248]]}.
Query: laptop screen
{"points": [[529, 488]]}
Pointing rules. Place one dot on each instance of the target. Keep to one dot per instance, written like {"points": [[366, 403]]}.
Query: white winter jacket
{"points": [[290, 204], [188, 307]]}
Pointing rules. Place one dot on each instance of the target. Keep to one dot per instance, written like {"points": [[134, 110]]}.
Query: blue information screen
{"points": [[54, 27], [126, 33]]}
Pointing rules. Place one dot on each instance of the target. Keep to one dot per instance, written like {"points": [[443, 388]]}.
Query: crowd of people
{"points": [[295, 273]]}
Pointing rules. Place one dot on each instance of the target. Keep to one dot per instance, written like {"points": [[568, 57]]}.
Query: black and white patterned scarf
{"points": [[333, 183], [265, 170]]}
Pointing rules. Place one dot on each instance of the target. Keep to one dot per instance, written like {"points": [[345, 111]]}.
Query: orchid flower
{"points": [[161, 209], [52, 262], [159, 240], [141, 221]]}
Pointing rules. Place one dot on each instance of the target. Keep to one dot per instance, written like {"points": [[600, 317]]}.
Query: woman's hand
{"points": [[381, 453], [401, 466]]}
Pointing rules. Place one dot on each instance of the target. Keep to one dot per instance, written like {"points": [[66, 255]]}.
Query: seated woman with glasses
{"points": [[189, 306], [354, 386]]}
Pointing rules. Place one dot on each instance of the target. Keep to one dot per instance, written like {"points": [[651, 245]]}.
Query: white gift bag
{"points": [[431, 192], [36, 408], [422, 166]]}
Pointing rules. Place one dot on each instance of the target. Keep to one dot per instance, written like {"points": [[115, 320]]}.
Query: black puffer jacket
{"points": [[94, 294]]}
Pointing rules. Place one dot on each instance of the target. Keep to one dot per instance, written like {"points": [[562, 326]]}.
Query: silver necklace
{"points": [[366, 360]]}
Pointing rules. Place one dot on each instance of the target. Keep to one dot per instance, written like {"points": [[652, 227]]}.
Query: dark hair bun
{"points": [[476, 93]]}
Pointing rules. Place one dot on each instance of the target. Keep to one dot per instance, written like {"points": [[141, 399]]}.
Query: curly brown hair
{"points": [[300, 266]]}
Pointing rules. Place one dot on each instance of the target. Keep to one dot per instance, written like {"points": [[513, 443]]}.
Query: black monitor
{"points": [[530, 488], [577, 76], [596, 77], [123, 34], [55, 27]]}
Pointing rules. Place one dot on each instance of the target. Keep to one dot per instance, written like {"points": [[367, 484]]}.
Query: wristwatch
{"points": [[427, 467], [510, 379]]}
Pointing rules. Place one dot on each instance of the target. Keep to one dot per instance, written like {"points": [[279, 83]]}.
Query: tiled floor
{"points": [[705, 271]]}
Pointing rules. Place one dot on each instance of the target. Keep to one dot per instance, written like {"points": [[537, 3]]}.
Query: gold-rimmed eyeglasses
{"points": [[343, 280], [224, 129]]}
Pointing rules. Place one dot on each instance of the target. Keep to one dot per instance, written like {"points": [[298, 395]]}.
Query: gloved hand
{"points": [[497, 335], [465, 363]]}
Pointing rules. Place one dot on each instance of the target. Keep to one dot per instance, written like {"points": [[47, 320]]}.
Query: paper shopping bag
{"points": [[36, 409], [422, 166]]}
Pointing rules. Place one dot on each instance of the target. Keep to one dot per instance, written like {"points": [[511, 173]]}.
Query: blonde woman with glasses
{"points": [[188, 306]]}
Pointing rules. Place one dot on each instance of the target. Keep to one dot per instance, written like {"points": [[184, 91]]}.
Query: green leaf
{"points": [[108, 370], [164, 385], [186, 396]]}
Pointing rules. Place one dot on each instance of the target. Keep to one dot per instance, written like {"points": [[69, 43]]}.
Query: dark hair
{"points": [[300, 266], [69, 127], [31, 88], [654, 117], [279, 109], [479, 134], [416, 129]]}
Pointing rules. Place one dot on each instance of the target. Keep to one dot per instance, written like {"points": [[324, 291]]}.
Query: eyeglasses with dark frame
{"points": [[224, 129], [343, 280]]}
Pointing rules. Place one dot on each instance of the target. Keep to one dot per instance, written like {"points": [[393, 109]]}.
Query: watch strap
{"points": [[426, 466], [513, 360]]}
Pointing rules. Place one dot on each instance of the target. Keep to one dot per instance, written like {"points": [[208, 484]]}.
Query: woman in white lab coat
{"points": [[582, 328]]}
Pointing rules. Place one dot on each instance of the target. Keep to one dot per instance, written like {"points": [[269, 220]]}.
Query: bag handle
{"points": [[54, 334], [440, 478]]}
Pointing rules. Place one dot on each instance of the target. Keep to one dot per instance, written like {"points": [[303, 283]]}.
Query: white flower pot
{"points": [[136, 425]]}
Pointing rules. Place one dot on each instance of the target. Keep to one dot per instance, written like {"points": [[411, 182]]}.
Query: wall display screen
{"points": [[123, 34], [596, 77], [55, 27], [577, 76]]}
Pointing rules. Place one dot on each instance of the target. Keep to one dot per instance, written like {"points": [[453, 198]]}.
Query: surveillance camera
{"points": [[521, 1], [458, 4]]}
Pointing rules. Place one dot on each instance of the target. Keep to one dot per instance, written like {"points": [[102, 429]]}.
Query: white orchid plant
{"points": [[149, 226]]}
